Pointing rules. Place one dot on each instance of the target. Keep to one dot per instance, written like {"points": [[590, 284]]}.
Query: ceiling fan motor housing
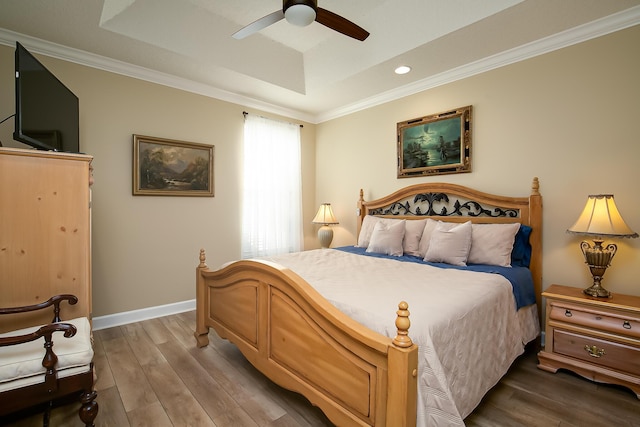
{"points": [[286, 4]]}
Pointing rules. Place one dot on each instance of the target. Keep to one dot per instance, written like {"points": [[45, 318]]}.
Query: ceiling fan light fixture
{"points": [[300, 15]]}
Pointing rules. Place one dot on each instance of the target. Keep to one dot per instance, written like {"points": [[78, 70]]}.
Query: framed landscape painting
{"points": [[436, 144], [165, 167]]}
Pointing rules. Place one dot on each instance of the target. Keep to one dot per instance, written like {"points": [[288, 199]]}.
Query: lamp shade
{"points": [[300, 15], [601, 217], [325, 215]]}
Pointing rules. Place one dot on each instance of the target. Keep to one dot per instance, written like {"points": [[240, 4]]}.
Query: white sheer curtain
{"points": [[272, 188]]}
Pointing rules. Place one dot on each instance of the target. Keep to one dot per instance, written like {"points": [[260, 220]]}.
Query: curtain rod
{"points": [[244, 113]]}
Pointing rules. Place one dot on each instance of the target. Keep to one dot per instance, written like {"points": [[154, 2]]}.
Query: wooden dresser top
{"points": [[568, 293]]}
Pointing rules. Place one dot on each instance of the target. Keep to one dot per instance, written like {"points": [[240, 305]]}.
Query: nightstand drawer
{"points": [[593, 318], [600, 352]]}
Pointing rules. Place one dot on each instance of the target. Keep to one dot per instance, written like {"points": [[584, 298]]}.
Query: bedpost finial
{"points": [[403, 323], [361, 195], [203, 259], [535, 186]]}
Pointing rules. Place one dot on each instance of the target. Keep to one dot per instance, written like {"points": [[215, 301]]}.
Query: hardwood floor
{"points": [[151, 373]]}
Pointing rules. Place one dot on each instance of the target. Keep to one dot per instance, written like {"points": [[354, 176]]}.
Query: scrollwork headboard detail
{"points": [[440, 204], [452, 202]]}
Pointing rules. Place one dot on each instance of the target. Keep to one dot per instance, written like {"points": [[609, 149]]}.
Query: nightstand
{"points": [[598, 339]]}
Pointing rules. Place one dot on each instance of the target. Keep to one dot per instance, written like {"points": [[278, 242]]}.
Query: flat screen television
{"points": [[47, 112]]}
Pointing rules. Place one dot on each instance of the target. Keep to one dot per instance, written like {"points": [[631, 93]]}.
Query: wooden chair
{"points": [[32, 374]]}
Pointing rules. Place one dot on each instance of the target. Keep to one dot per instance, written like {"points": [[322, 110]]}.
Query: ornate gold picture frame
{"points": [[165, 167], [436, 144]]}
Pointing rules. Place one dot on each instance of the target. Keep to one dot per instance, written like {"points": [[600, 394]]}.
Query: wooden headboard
{"points": [[455, 203]]}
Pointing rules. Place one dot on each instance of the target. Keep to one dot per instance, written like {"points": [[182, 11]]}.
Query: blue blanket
{"points": [[520, 277]]}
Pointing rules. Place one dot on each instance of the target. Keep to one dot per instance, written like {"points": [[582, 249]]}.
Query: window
{"points": [[272, 188]]}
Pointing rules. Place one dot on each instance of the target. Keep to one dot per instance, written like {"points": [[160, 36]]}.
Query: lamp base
{"points": [[597, 291], [325, 235], [598, 259]]}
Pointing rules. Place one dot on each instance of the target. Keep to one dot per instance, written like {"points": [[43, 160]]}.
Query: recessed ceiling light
{"points": [[403, 69]]}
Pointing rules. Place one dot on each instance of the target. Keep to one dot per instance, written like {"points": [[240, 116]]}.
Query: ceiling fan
{"points": [[303, 13]]}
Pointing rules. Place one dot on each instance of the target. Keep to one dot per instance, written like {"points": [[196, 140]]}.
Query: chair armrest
{"points": [[45, 331], [54, 300]]}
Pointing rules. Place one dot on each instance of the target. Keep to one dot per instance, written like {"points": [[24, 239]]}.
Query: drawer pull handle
{"points": [[594, 351], [568, 313], [626, 324]]}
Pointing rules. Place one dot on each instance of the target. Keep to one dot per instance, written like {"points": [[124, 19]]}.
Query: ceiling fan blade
{"points": [[258, 25], [340, 24]]}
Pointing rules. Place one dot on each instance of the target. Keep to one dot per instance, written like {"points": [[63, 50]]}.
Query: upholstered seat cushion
{"points": [[21, 365]]}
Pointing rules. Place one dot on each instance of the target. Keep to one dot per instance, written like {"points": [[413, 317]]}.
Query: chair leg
{"points": [[89, 409], [47, 414]]}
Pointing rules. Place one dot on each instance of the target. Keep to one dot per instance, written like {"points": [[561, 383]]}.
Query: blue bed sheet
{"points": [[520, 277]]}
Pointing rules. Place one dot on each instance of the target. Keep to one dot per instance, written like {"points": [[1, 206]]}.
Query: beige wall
{"points": [[145, 249], [569, 117]]}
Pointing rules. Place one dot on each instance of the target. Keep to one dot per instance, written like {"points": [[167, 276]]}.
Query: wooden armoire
{"points": [[45, 232]]}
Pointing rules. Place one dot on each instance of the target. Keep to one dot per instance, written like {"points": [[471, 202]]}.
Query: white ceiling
{"points": [[311, 73]]}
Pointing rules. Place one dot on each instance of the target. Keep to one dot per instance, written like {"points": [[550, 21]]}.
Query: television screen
{"points": [[47, 112]]}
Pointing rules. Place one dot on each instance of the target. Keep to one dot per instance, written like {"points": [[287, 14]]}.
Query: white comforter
{"points": [[464, 323]]}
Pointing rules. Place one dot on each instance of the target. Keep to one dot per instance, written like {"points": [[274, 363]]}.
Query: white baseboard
{"points": [[111, 320]]}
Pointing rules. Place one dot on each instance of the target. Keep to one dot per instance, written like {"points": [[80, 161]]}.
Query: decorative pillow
{"points": [[521, 254], [413, 230], [450, 245], [366, 230], [413, 233], [387, 238], [426, 236], [492, 243]]}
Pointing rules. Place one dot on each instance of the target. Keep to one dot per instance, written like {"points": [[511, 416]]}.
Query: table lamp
{"points": [[600, 219], [325, 217]]}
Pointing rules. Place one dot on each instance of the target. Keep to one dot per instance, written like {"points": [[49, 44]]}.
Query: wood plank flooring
{"points": [[151, 373]]}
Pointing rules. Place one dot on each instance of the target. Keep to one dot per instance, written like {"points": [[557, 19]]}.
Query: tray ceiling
{"points": [[313, 72]]}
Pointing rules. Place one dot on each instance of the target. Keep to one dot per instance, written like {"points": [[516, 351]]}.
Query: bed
{"points": [[374, 339]]}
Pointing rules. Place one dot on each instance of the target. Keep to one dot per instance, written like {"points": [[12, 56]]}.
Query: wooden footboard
{"points": [[294, 336]]}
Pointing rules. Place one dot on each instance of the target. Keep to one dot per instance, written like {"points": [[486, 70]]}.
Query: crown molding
{"points": [[76, 56], [579, 34], [610, 24]]}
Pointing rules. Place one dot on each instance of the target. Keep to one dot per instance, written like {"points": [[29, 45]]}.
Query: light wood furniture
{"points": [[45, 232], [289, 332], [597, 338]]}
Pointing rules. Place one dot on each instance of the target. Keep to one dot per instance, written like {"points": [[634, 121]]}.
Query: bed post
{"points": [[361, 214], [402, 394], [202, 331], [535, 221]]}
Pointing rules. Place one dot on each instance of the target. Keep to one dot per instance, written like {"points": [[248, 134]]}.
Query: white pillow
{"points": [[492, 243], [413, 230], [366, 230], [450, 245], [387, 238], [426, 236], [413, 233]]}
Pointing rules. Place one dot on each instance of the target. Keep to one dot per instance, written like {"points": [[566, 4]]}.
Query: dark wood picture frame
{"points": [[436, 144], [165, 167]]}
